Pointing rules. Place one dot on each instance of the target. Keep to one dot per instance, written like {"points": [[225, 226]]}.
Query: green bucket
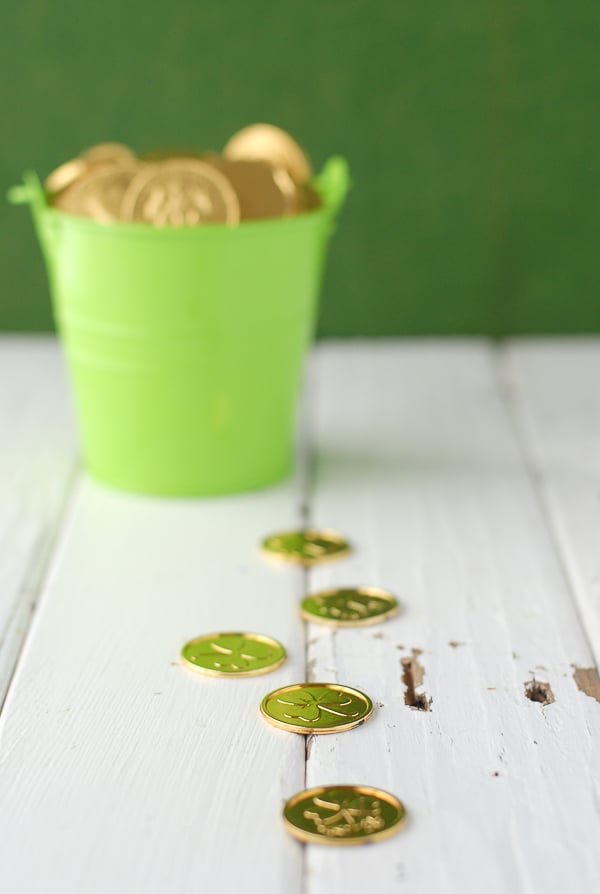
{"points": [[185, 346]]}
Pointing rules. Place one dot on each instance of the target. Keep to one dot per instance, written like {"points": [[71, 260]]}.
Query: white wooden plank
{"points": [[37, 464], [554, 385], [418, 464], [120, 770], [97, 773]]}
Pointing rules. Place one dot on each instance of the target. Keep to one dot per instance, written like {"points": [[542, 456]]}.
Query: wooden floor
{"points": [[468, 478]]}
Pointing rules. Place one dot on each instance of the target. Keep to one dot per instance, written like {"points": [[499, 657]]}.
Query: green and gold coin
{"points": [[343, 814], [234, 654], [349, 606], [316, 708], [307, 547]]}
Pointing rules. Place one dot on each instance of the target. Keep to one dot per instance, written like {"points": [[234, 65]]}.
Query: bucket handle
{"points": [[333, 184], [31, 192]]}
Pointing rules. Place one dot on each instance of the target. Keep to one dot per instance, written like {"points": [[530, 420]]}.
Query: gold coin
{"points": [[308, 198], [316, 708], [166, 154], [262, 190], [234, 654], [343, 814], [180, 192], [65, 175], [349, 606], [113, 154], [98, 194], [265, 142], [107, 153], [307, 547]]}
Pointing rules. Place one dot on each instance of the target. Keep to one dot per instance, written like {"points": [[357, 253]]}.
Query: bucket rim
{"points": [[132, 228], [331, 184]]}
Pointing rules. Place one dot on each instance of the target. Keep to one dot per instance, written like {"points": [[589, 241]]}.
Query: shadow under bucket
{"points": [[186, 345]]}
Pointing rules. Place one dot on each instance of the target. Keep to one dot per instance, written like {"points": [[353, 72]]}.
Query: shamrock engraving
{"points": [[172, 202], [309, 705], [234, 654], [352, 607], [350, 816], [301, 545]]}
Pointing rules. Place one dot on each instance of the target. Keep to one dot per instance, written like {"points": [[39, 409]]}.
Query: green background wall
{"points": [[471, 127]]}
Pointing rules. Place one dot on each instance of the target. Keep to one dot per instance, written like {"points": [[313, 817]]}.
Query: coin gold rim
{"points": [[107, 153], [316, 731], [65, 175], [307, 837], [288, 188], [256, 637], [287, 558], [366, 622]]}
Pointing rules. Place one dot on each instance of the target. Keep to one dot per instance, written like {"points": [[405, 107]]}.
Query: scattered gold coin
{"points": [[265, 142], [234, 654], [316, 708], [180, 192], [98, 193], [343, 814], [306, 547], [349, 606]]}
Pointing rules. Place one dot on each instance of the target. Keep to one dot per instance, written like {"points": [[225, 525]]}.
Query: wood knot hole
{"points": [[536, 691]]}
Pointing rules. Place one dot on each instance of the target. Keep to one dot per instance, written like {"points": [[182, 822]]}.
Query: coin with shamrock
{"points": [[233, 654], [318, 708]]}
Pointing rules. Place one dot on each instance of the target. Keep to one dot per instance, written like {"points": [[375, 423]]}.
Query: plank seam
{"points": [[35, 582], [306, 478]]}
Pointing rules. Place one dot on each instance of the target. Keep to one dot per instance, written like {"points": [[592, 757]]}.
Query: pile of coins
{"points": [[333, 814], [262, 173]]}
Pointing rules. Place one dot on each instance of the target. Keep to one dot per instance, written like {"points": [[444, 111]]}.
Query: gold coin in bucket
{"points": [[343, 815], [234, 654], [103, 154], [316, 708], [107, 153], [166, 154], [262, 190], [66, 174], [349, 606], [98, 193], [265, 142], [309, 546], [180, 192], [308, 198]]}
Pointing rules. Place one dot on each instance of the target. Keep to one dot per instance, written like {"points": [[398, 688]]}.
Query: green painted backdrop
{"points": [[471, 126]]}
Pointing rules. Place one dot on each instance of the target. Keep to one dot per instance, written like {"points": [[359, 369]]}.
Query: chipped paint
{"points": [[587, 681], [413, 674]]}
